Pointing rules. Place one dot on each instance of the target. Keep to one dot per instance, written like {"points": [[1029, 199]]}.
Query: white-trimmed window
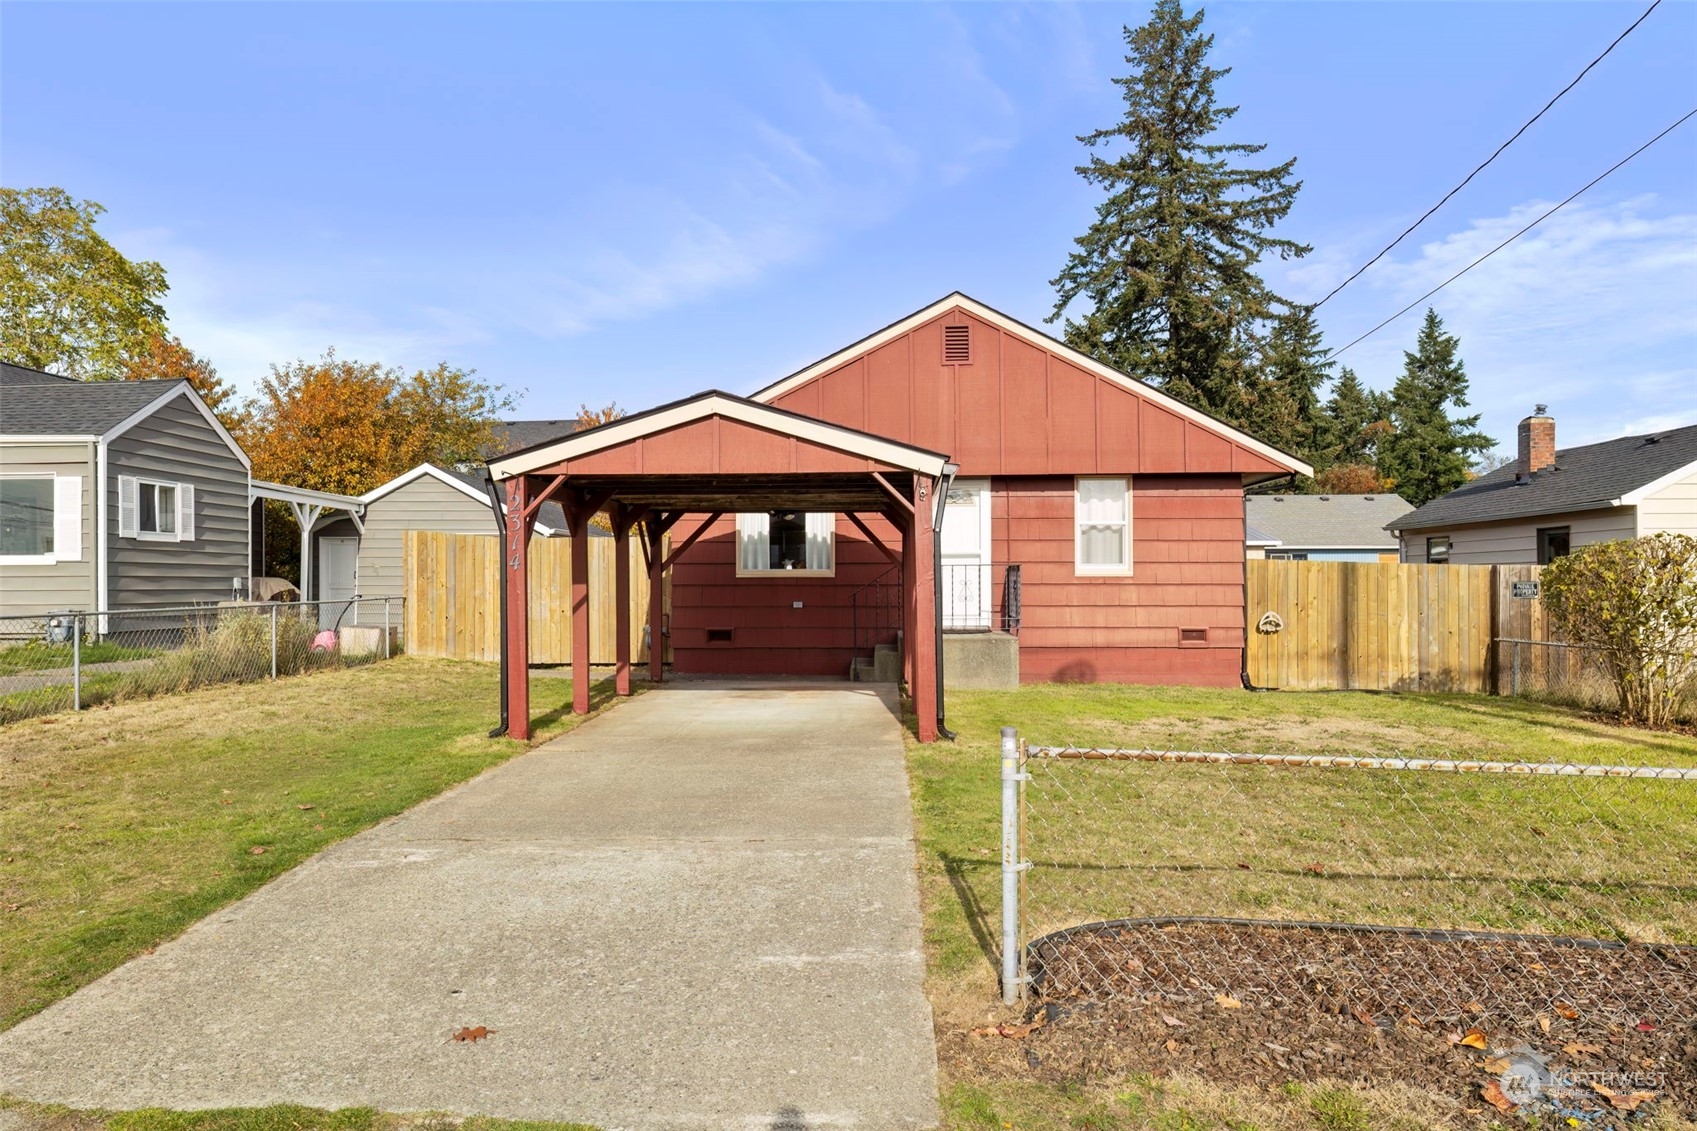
{"points": [[155, 510], [787, 541], [40, 519], [1102, 521]]}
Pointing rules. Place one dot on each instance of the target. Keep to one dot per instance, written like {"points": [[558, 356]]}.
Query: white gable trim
{"points": [[418, 473], [1042, 341], [183, 390], [733, 408], [1634, 497]]}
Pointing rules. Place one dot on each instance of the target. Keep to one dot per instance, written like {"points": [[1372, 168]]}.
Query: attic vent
{"points": [[957, 345]]}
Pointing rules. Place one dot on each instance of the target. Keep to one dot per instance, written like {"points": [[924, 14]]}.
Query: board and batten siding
{"points": [[176, 445], [1673, 509], [426, 503], [1511, 543], [30, 590]]}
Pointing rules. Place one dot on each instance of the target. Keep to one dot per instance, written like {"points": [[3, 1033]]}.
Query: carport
{"points": [[710, 455]]}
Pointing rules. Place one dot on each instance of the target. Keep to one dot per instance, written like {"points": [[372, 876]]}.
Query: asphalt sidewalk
{"points": [[698, 910]]}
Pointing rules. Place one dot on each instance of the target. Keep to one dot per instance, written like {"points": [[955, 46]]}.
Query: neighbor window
{"points": [[40, 519], [793, 541], [154, 510], [1102, 514], [26, 517], [1438, 550], [1553, 542]]}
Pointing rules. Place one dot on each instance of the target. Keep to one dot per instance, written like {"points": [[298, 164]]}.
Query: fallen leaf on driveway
{"points": [[1473, 1039], [474, 1035]]}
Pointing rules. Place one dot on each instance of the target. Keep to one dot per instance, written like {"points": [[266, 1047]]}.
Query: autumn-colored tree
{"points": [[595, 417], [348, 426], [164, 357], [1350, 479]]}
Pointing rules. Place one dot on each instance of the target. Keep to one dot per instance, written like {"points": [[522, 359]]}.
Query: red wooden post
{"points": [[924, 626], [621, 597], [577, 523], [904, 524], [656, 599], [516, 572]]}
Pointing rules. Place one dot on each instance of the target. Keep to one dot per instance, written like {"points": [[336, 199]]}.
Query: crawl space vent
{"points": [[1193, 636], [957, 345], [720, 635]]}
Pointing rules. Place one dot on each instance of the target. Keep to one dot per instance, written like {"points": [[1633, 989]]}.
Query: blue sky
{"points": [[636, 202]]}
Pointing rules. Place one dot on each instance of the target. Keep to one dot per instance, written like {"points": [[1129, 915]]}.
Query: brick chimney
{"points": [[1537, 445]]}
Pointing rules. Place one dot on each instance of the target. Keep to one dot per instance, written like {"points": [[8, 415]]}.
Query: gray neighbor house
{"points": [[1551, 501], [116, 494]]}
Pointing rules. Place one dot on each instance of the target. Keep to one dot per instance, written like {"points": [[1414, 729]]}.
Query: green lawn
{"points": [[121, 826], [38, 655], [1124, 839]]}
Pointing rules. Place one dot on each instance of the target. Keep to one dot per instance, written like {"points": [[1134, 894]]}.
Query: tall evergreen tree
{"points": [[1169, 265], [1353, 423], [1282, 397], [1429, 452]]}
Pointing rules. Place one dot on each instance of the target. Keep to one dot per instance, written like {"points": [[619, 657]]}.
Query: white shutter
{"points": [[126, 506], [754, 542], [821, 535], [67, 518], [185, 512]]}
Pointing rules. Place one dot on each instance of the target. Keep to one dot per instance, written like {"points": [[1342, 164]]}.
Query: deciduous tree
{"points": [[1170, 265], [69, 301], [164, 357]]}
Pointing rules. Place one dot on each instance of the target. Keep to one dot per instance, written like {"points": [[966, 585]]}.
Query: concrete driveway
{"points": [[698, 910]]}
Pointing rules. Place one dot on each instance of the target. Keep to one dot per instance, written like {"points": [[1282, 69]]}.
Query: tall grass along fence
{"points": [[73, 660], [454, 598], [1391, 890]]}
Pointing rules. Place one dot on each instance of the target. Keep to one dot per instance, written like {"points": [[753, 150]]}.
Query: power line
{"points": [[1427, 215], [1597, 180]]}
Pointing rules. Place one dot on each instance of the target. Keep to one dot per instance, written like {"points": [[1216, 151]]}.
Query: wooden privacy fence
{"points": [[1385, 626], [453, 606]]}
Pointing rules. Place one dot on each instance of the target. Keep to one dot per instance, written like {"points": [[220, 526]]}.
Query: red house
{"points": [[1094, 519]]}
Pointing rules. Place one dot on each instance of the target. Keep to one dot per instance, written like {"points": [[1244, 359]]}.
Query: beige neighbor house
{"points": [[1550, 501]]}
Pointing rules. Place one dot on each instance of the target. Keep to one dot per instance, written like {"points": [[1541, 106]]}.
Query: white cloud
{"points": [[1590, 313]]}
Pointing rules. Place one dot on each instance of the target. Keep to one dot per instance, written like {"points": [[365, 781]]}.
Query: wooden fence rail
{"points": [[1390, 627], [454, 600]]}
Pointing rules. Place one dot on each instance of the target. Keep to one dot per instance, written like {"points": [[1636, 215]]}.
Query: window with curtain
{"points": [[1102, 512], [786, 540]]}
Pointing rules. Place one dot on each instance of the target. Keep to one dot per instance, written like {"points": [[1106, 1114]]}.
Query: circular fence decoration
{"points": [[1269, 623]]}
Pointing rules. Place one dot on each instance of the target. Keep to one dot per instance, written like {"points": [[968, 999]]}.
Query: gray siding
{"points": [[424, 504], [1673, 509], [176, 444], [1516, 542], [28, 590]]}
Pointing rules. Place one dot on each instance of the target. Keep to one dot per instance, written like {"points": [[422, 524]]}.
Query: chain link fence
{"points": [[1383, 888], [1554, 671], [74, 660]]}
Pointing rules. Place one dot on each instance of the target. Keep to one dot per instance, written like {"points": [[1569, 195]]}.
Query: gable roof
{"points": [[474, 485], [716, 403], [1036, 337], [1330, 522], [23, 375], [514, 435], [1613, 473]]}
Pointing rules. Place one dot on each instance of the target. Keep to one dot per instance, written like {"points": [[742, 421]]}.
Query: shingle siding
{"points": [[177, 444], [29, 590]]}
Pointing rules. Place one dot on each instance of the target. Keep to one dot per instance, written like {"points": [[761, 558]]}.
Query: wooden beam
{"points": [[623, 519], [536, 504], [894, 494], [588, 503], [872, 538], [691, 540], [515, 572], [579, 533]]}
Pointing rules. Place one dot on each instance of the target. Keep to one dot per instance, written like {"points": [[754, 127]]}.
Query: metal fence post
{"points": [[1013, 987], [385, 628], [273, 640], [76, 662], [1515, 682]]}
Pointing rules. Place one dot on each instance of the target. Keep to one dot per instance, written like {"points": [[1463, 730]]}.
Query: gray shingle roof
{"points": [[1300, 522], [1584, 478], [511, 435], [33, 403]]}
